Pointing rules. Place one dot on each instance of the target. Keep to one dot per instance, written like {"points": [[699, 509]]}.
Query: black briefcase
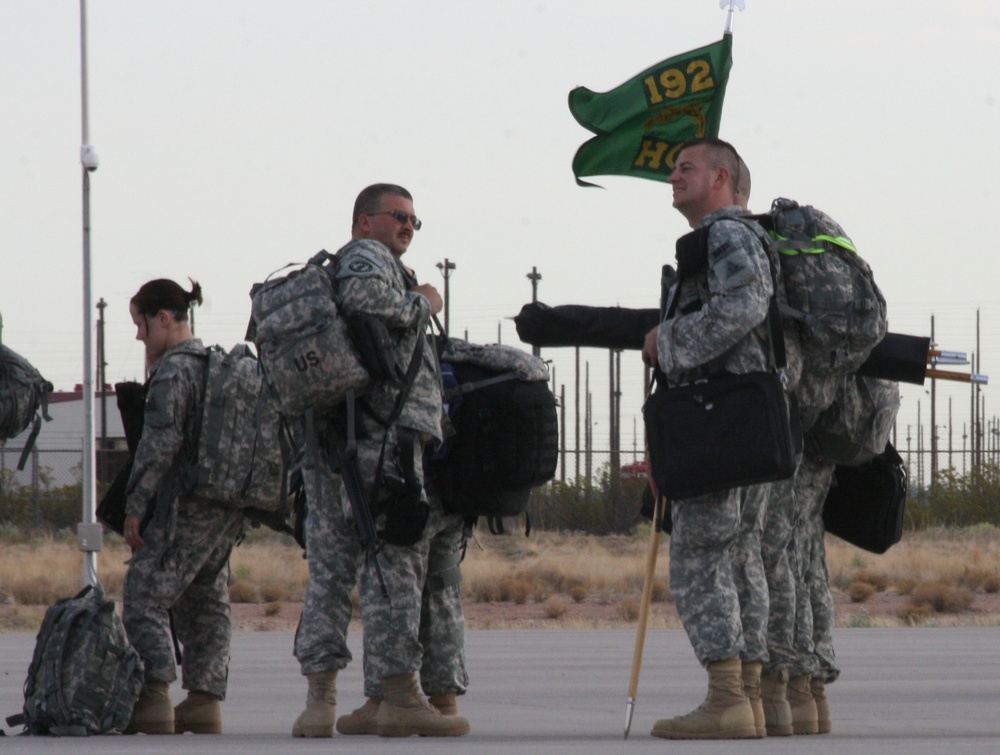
{"points": [[719, 433], [866, 504]]}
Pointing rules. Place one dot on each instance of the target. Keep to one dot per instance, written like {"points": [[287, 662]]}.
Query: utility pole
{"points": [[446, 267], [102, 379], [576, 414], [534, 276], [934, 434]]}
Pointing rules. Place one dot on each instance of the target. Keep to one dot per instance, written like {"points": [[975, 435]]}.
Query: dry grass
{"points": [[945, 577]]}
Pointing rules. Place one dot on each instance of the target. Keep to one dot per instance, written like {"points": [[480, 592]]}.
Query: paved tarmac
{"points": [[915, 691]]}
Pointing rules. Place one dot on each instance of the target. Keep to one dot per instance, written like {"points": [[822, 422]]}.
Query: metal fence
{"points": [[51, 477], [48, 489]]}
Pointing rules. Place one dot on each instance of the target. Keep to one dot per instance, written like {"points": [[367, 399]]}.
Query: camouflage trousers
{"points": [[186, 576], [814, 603], [418, 626], [705, 529], [779, 523], [748, 571], [442, 620]]}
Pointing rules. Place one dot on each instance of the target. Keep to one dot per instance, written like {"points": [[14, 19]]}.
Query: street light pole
{"points": [[446, 267], [534, 276]]}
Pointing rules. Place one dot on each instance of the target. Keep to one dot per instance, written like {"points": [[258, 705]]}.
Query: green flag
{"points": [[641, 124]]}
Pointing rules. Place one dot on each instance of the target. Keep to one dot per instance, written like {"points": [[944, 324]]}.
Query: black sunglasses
{"points": [[401, 217]]}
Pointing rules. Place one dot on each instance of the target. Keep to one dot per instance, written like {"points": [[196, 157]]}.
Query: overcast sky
{"points": [[234, 135]]}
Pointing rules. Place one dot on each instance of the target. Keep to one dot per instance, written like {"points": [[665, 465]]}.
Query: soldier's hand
{"points": [[132, 536], [649, 353], [431, 294]]}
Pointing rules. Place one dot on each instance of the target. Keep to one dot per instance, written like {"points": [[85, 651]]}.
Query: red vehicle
{"points": [[638, 470]]}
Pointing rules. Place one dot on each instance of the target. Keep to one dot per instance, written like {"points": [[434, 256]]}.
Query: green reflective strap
{"points": [[826, 243]]}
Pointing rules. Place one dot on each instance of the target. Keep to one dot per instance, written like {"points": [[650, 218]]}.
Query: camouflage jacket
{"points": [[719, 325], [169, 436], [371, 280]]}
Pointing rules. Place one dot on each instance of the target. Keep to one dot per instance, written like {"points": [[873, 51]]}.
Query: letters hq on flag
{"points": [[641, 124]]}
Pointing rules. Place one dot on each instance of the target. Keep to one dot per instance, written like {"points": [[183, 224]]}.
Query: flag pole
{"points": [[88, 531], [732, 5]]}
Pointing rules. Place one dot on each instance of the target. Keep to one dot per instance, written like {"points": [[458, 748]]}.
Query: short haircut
{"points": [[721, 154], [370, 199], [743, 185], [164, 293]]}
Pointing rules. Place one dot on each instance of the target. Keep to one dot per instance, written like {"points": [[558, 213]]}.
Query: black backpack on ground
{"points": [[84, 677]]}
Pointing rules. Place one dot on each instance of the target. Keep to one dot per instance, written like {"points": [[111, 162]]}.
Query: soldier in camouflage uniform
{"points": [[768, 519], [373, 281], [764, 579], [181, 547], [721, 328]]}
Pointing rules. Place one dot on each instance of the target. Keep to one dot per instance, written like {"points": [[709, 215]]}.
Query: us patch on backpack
{"points": [[23, 392], [84, 677], [506, 437], [829, 289], [303, 340]]}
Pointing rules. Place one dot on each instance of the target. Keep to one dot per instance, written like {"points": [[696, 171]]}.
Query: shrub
{"points": [[981, 579], [242, 591], [876, 580], [942, 596], [555, 608], [859, 592], [515, 589], [272, 591]]}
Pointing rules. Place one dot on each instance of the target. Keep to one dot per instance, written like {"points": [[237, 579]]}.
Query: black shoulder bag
{"points": [[723, 431]]}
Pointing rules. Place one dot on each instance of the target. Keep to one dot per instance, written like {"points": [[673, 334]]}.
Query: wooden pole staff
{"points": [[647, 597]]}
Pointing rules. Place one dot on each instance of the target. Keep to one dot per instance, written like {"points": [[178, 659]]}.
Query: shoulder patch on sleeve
{"points": [[729, 254], [157, 411], [362, 262]]}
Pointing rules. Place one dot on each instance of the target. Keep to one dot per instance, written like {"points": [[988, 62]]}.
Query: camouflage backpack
{"points": [[242, 447], [856, 427], [830, 291], [304, 342], [84, 677], [23, 392]]}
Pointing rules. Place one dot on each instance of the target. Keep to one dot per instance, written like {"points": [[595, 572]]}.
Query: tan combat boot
{"points": [[360, 720], [320, 713], [725, 714], [445, 702], [153, 712], [805, 719], [405, 712], [751, 688], [773, 697], [200, 713], [824, 724]]}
